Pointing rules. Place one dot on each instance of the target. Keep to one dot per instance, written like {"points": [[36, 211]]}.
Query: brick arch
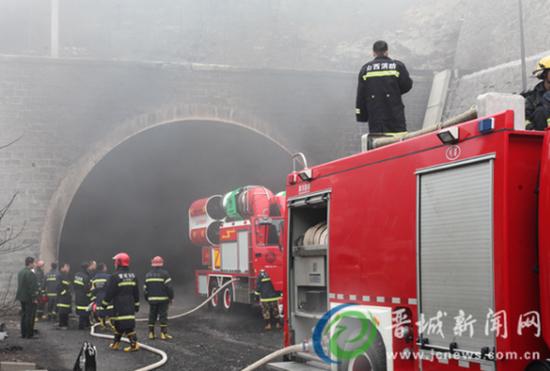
{"points": [[62, 198]]}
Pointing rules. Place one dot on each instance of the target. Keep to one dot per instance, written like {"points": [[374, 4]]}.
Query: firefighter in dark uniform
{"points": [[27, 294], [99, 289], [382, 82], [123, 293], [82, 294], [159, 293], [42, 298], [537, 101], [269, 299], [64, 298], [51, 282]]}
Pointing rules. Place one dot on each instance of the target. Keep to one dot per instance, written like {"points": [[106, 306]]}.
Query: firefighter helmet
{"points": [[121, 259], [542, 67], [157, 261]]}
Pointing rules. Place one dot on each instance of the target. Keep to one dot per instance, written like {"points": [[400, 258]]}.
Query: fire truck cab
{"points": [[440, 240]]}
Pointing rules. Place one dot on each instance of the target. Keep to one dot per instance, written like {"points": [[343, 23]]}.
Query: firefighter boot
{"points": [[115, 345], [151, 335], [277, 324], [164, 335], [134, 345], [268, 325]]}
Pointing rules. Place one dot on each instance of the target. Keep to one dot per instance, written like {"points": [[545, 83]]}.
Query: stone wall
{"points": [[504, 78], [70, 113]]}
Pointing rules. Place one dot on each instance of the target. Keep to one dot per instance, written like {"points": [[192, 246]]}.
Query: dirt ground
{"points": [[205, 340]]}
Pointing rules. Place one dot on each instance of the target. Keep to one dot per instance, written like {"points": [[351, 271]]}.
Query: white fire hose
{"points": [[303, 347], [162, 354], [176, 316]]}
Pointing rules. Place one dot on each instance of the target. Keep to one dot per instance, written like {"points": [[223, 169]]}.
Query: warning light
{"points": [[486, 125]]}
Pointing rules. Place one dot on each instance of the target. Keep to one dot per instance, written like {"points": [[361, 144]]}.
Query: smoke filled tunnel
{"points": [[136, 198]]}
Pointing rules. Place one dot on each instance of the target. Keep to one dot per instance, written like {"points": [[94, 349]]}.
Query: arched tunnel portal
{"points": [[134, 197]]}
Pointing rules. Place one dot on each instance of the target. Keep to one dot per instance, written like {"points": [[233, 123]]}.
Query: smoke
{"points": [[303, 34], [136, 199]]}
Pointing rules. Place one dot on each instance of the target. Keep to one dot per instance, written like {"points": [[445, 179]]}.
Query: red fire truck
{"points": [[442, 240], [239, 235]]}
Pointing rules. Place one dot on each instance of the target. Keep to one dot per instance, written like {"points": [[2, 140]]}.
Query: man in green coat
{"points": [[27, 294]]}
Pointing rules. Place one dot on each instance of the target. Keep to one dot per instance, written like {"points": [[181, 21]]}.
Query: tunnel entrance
{"points": [[136, 198]]}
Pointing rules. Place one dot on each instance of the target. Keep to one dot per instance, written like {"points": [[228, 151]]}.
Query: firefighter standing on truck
{"points": [[382, 81], [51, 282], [99, 289], [269, 299], [537, 101], [159, 293], [82, 293], [64, 298], [123, 293]]}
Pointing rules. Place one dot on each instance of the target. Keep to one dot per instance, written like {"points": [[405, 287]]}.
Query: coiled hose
{"points": [[162, 354]]}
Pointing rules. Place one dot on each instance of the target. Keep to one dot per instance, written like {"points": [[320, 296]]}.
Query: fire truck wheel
{"points": [[373, 359], [215, 302], [538, 366], [227, 298]]}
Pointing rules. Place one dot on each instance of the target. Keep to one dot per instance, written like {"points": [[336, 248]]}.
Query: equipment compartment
{"points": [[308, 261]]}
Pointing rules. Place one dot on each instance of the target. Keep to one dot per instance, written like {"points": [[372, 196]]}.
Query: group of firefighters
{"points": [[383, 81], [111, 299]]}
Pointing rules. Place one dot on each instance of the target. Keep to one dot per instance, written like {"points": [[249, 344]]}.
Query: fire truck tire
{"points": [[227, 299], [215, 302], [538, 366], [373, 359]]}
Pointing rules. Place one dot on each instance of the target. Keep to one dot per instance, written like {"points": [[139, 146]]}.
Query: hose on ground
{"points": [[303, 347], [162, 354], [176, 316], [152, 366]]}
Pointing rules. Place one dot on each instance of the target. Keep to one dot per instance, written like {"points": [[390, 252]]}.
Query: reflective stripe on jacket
{"points": [[123, 293], [265, 289], [64, 294], [158, 286], [381, 83]]}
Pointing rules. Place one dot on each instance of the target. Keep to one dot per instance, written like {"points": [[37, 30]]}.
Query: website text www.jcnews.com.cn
{"points": [[459, 356]]}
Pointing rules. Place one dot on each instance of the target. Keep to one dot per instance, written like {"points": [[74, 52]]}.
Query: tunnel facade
{"points": [[66, 115], [136, 198]]}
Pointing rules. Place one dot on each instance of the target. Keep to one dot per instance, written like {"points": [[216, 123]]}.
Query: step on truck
{"points": [[238, 234], [438, 243]]}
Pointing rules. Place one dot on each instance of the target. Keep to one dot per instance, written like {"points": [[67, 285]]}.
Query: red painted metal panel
{"points": [[544, 237], [372, 247]]}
